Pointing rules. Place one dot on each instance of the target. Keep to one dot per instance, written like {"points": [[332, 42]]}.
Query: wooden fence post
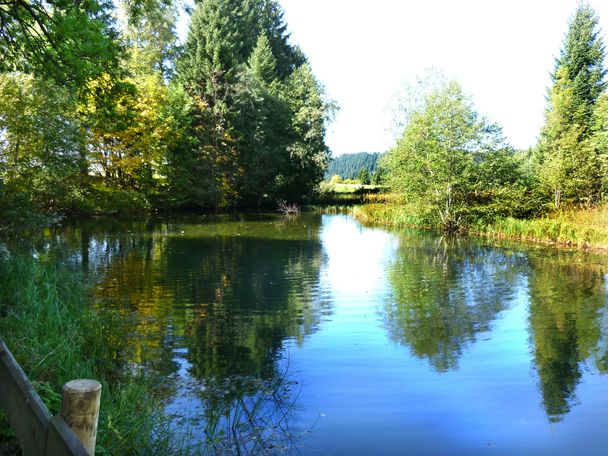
{"points": [[80, 410]]}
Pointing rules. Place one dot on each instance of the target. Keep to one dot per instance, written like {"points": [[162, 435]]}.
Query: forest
{"points": [[350, 166], [103, 111]]}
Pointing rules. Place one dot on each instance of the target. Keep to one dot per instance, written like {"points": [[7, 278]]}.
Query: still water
{"points": [[316, 335]]}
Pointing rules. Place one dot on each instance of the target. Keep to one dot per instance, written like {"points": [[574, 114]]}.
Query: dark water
{"points": [[315, 335]]}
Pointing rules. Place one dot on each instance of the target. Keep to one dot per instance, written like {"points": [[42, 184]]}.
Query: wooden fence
{"points": [[38, 432]]}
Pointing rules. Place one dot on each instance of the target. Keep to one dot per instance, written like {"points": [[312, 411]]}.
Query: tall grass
{"points": [[577, 227], [393, 215], [56, 336]]}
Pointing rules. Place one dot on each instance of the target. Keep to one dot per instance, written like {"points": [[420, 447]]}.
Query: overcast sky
{"points": [[501, 52]]}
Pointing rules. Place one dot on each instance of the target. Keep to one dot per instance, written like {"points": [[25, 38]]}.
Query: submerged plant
{"points": [[242, 415]]}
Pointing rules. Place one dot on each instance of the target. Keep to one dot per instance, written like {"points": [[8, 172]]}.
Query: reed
{"points": [[57, 336], [575, 227]]}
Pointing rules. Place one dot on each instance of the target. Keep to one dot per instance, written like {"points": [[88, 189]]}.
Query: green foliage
{"points": [[450, 162], [237, 118], [67, 339], [581, 227], [598, 143], [258, 114], [66, 41], [350, 165], [364, 176], [307, 151], [568, 164], [150, 34], [40, 146]]}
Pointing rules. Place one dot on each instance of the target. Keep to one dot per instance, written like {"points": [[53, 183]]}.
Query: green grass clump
{"points": [[56, 336], [393, 215]]}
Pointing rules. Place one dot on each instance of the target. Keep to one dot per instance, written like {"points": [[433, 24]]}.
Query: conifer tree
{"points": [[218, 42], [262, 62], [568, 169], [258, 113]]}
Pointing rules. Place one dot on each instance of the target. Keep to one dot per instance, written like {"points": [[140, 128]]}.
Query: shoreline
{"points": [[581, 237]]}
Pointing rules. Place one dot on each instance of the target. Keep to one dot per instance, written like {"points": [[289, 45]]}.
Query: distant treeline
{"points": [[349, 166]]}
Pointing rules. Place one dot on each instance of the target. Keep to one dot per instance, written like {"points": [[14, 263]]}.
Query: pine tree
{"points": [[568, 169]]}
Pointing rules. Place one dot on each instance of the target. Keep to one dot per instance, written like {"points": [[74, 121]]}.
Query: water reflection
{"points": [[231, 289], [567, 302], [218, 295], [446, 291], [510, 337]]}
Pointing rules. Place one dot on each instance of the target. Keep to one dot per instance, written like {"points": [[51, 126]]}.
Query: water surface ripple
{"points": [[316, 335]]}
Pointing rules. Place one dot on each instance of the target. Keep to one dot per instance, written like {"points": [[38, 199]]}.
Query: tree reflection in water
{"points": [[448, 290], [445, 291], [567, 307], [222, 296]]}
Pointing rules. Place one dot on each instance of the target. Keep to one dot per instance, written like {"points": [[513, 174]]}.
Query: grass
{"points": [[350, 188], [395, 215], [56, 337], [583, 227], [576, 227], [344, 194]]}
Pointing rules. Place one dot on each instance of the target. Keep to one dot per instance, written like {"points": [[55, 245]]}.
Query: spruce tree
{"points": [[568, 169], [258, 113], [582, 57], [219, 40], [262, 61]]}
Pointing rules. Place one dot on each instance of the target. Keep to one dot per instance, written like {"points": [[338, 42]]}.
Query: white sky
{"points": [[501, 52]]}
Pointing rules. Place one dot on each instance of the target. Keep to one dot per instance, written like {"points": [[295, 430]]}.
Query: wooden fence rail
{"points": [[38, 432]]}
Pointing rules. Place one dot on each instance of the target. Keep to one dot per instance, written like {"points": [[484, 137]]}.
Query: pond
{"points": [[316, 335]]}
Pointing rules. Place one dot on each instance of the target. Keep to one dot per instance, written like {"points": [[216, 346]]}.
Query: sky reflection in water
{"points": [[352, 340]]}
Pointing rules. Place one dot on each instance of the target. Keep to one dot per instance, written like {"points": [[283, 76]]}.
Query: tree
{"points": [[568, 169], [40, 143], [150, 34], [364, 176], [445, 158], [598, 143], [129, 142], [258, 113], [69, 42], [218, 41], [349, 165], [308, 153], [264, 123]]}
